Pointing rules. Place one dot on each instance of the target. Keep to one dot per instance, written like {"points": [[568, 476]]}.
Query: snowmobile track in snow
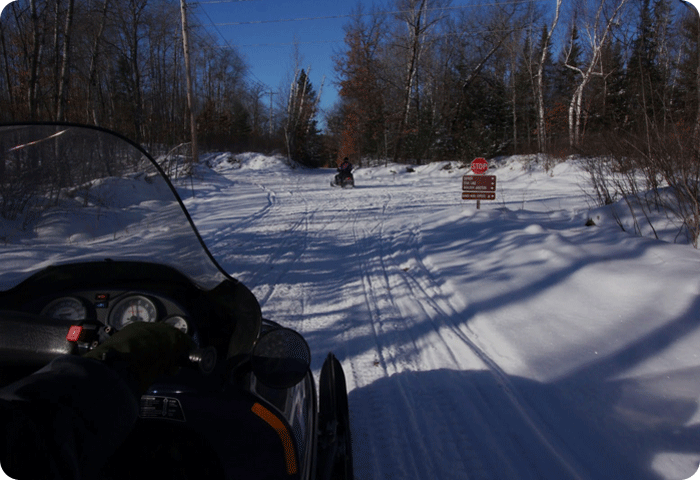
{"points": [[400, 342], [424, 301]]}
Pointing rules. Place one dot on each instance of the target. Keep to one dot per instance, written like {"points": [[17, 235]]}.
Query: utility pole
{"points": [[188, 74], [271, 94]]}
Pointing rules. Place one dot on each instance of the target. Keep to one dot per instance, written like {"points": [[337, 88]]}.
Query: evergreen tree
{"points": [[687, 96], [613, 109], [549, 69], [570, 61], [303, 141], [642, 74], [567, 78], [525, 103], [481, 127]]}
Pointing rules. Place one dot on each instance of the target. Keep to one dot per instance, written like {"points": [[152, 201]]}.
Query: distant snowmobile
{"points": [[344, 182], [344, 177]]}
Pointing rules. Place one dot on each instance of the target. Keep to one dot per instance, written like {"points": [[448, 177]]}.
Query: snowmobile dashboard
{"points": [[103, 297], [112, 294]]}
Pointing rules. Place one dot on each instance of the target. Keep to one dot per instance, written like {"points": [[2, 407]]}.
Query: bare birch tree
{"points": [[539, 77], [190, 87], [415, 16], [596, 31]]}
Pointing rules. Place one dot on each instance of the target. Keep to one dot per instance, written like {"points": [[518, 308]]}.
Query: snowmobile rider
{"points": [[67, 419], [345, 168]]}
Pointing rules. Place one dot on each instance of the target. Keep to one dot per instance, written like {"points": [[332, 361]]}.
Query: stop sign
{"points": [[479, 166]]}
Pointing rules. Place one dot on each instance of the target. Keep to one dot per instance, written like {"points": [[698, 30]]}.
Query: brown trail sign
{"points": [[479, 187], [480, 183]]}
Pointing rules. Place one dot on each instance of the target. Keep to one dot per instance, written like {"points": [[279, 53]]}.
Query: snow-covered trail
{"points": [[482, 344]]}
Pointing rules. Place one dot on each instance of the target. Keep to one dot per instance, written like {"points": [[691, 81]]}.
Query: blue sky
{"points": [[264, 32], [268, 47]]}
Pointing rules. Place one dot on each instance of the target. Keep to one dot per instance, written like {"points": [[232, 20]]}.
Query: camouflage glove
{"points": [[144, 351]]}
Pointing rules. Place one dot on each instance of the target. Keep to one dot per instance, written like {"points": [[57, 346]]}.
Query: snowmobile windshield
{"points": [[73, 194]]}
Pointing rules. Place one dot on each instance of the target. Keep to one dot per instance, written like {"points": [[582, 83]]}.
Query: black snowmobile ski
{"points": [[334, 442], [346, 182]]}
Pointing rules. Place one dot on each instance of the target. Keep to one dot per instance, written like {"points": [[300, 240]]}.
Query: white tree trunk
{"points": [[188, 74], [541, 125], [596, 39]]}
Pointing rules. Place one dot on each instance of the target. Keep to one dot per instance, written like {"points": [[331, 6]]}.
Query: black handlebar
{"points": [[32, 340], [29, 340]]}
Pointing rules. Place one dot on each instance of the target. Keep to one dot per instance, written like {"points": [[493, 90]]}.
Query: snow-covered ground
{"points": [[506, 342]]}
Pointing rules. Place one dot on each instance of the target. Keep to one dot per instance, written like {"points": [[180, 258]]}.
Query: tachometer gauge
{"points": [[66, 308], [178, 322], [135, 308]]}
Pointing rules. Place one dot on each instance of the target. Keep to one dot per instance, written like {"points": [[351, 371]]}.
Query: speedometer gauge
{"points": [[135, 308], [66, 308]]}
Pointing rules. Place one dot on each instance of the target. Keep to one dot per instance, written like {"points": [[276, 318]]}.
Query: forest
{"points": [[418, 81]]}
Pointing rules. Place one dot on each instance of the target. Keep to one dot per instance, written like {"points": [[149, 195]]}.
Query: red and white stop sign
{"points": [[479, 166]]}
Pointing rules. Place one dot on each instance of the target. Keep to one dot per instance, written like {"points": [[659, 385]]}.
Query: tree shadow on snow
{"points": [[593, 423], [448, 424]]}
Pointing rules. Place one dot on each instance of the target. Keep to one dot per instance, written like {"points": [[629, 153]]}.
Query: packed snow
{"points": [[510, 341]]}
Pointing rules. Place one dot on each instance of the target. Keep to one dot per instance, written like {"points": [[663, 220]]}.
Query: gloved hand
{"points": [[144, 351]]}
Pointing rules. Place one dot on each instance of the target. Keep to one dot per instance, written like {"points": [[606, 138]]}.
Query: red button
{"points": [[74, 333]]}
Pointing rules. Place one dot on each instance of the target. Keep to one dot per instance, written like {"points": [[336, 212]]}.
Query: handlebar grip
{"points": [[204, 359]]}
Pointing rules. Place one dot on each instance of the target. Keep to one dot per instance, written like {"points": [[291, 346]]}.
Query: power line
{"points": [[320, 42], [355, 15], [246, 72], [287, 44], [212, 2]]}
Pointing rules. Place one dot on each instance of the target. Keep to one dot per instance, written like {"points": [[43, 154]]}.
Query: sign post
{"points": [[479, 186]]}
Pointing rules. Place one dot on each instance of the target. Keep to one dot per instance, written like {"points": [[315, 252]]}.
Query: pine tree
{"points": [[613, 109], [566, 80], [525, 104], [571, 60], [687, 94], [303, 142], [642, 74]]}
